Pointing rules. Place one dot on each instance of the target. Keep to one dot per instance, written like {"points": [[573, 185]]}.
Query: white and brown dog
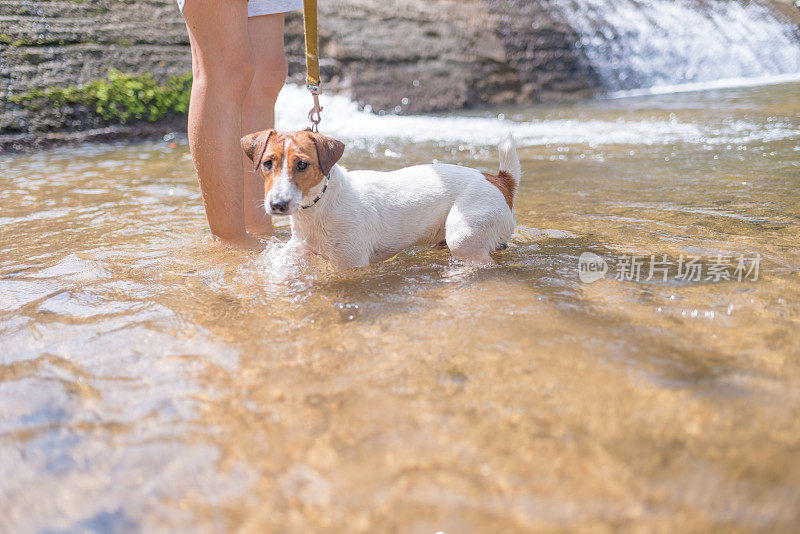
{"points": [[354, 218]]}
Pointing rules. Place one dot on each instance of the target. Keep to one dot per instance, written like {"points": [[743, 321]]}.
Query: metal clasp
{"points": [[315, 115]]}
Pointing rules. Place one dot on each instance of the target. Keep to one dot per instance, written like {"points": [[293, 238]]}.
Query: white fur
{"points": [[284, 189], [368, 216], [509, 159]]}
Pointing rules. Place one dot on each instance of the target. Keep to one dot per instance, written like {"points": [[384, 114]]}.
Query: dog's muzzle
{"points": [[279, 207]]}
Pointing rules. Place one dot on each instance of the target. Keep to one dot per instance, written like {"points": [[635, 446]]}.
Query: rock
{"points": [[447, 54], [408, 57], [71, 43], [415, 56]]}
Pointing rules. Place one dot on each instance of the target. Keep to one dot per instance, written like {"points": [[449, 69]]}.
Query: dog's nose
{"points": [[279, 206]]}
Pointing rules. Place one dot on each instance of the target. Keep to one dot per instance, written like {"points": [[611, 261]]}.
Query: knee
{"points": [[231, 76], [268, 80]]}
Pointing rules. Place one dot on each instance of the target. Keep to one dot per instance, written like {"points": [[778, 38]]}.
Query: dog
{"points": [[355, 218]]}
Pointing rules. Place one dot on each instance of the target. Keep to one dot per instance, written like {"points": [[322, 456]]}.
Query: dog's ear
{"points": [[255, 144], [329, 151]]}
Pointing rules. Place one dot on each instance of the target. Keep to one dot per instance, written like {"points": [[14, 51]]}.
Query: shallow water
{"points": [[151, 379]]}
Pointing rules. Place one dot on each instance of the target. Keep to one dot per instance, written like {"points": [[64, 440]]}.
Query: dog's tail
{"points": [[509, 160], [507, 180]]}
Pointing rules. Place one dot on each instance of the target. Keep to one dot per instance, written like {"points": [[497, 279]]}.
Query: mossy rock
{"points": [[120, 98]]}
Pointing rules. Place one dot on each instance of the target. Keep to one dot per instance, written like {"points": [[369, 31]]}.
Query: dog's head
{"points": [[293, 165]]}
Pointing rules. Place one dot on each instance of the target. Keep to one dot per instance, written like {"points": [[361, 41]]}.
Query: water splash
{"points": [[635, 44], [724, 83], [346, 121], [280, 270]]}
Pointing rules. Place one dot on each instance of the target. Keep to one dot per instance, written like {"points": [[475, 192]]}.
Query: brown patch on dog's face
{"points": [[505, 183], [255, 146], [292, 164]]}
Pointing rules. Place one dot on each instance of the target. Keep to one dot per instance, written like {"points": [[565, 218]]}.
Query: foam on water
{"points": [[344, 120], [725, 83]]}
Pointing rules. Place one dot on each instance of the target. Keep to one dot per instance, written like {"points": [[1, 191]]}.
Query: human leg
{"points": [[222, 68], [258, 111]]}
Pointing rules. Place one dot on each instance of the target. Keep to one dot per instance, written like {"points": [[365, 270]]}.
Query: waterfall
{"points": [[637, 44]]}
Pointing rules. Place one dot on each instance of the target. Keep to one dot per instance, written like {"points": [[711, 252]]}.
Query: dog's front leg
{"points": [[297, 246]]}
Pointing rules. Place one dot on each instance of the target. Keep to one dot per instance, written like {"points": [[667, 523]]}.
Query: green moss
{"points": [[119, 98]]}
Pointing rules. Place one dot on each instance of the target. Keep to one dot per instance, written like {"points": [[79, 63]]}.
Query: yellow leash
{"points": [[312, 61]]}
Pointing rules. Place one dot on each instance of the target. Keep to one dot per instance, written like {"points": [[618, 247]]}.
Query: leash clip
{"points": [[315, 115]]}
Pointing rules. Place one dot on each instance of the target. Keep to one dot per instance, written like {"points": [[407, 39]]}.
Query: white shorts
{"points": [[256, 8]]}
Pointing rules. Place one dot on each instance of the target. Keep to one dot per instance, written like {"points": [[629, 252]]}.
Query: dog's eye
{"points": [[301, 165], [267, 164]]}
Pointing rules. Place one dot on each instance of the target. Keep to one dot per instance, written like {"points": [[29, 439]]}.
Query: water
{"points": [[636, 44], [153, 380]]}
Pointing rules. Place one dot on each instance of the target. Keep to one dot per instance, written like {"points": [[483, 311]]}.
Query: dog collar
{"points": [[324, 187]]}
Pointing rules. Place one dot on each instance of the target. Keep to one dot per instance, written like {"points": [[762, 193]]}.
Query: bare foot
{"points": [[245, 242]]}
